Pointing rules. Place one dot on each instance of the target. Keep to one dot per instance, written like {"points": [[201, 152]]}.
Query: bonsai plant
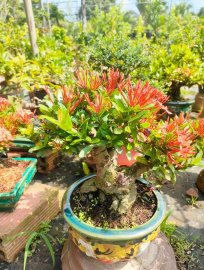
{"points": [[15, 174], [174, 67], [101, 116]]}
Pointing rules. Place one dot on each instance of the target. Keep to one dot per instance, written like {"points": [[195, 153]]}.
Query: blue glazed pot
{"points": [[21, 143], [112, 245], [9, 199], [177, 107]]}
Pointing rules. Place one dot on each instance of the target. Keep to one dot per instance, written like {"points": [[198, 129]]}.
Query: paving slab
{"points": [[187, 216], [38, 204]]}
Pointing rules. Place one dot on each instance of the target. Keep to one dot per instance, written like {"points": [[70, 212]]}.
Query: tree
{"points": [[182, 9], [152, 12], [93, 5], [56, 15], [201, 12], [131, 17], [12, 9]]}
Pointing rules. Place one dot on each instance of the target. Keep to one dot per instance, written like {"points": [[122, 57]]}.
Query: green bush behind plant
{"points": [[165, 48]]}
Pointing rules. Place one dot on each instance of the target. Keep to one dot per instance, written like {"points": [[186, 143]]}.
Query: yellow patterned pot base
{"points": [[110, 252]]}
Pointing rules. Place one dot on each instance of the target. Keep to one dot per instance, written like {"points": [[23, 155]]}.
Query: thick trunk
{"points": [[175, 91], [201, 89], [109, 181]]}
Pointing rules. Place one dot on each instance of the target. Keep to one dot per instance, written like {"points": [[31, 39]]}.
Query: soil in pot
{"points": [[11, 172], [89, 208]]}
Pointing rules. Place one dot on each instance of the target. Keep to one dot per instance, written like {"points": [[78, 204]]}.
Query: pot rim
{"points": [[113, 234], [184, 102]]}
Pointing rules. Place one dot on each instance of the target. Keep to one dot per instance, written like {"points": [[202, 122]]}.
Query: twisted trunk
{"points": [[175, 91], [110, 181]]}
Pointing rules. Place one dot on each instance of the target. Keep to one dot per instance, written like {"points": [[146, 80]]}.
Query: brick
{"points": [[48, 163], [39, 203]]}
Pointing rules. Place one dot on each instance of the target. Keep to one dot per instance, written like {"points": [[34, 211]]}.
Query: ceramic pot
{"points": [[112, 245], [176, 107], [198, 104]]}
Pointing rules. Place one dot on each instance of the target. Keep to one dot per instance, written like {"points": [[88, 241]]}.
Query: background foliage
{"points": [[161, 45]]}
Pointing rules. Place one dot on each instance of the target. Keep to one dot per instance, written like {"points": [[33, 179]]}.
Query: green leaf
{"points": [[85, 168], [117, 131], [119, 143], [127, 129], [86, 150], [142, 160], [50, 119], [44, 109], [138, 116], [197, 159], [28, 243], [77, 141], [129, 146], [108, 137], [129, 156], [64, 118], [145, 125], [119, 150], [118, 103], [49, 246], [63, 122], [36, 148]]}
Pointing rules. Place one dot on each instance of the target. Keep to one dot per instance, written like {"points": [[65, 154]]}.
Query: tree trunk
{"points": [[109, 181], [175, 91], [201, 89], [31, 26]]}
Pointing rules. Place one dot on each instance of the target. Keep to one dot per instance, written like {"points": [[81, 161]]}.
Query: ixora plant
{"points": [[13, 121], [101, 116], [15, 173]]}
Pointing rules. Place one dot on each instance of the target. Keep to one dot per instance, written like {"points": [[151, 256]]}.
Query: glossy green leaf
{"points": [[85, 151]]}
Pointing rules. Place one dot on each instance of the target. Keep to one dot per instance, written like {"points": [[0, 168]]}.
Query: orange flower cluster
{"points": [[88, 80], [143, 95], [98, 103], [5, 137], [113, 79], [11, 119], [4, 104], [200, 128], [178, 139]]}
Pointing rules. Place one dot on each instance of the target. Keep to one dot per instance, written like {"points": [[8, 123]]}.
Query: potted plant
{"points": [[15, 174], [102, 116], [199, 98], [175, 67]]}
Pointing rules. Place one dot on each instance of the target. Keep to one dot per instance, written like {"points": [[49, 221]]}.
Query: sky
{"points": [[130, 5], [72, 6]]}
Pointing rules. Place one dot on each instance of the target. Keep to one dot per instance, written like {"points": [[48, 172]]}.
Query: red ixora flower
{"points": [[4, 103], [76, 103], [143, 95], [97, 105], [112, 80], [67, 94], [5, 136], [24, 116], [88, 80], [178, 139], [200, 128]]}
